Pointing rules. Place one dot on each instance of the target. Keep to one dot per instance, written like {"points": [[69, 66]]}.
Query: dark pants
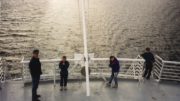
{"points": [[148, 69], [114, 76], [64, 79], [35, 84]]}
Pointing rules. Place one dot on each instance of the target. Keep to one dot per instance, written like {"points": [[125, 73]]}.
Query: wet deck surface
{"points": [[127, 91]]}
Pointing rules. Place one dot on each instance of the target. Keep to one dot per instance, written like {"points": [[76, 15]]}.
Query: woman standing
{"points": [[63, 66], [115, 67]]}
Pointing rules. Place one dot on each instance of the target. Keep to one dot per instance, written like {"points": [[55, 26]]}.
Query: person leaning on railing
{"points": [[115, 67], [149, 60], [35, 71]]}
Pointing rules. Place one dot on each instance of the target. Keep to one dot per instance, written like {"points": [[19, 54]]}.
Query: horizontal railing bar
{"points": [[52, 60], [93, 59], [171, 76], [172, 62], [120, 59], [178, 73], [165, 69], [172, 66], [171, 79]]}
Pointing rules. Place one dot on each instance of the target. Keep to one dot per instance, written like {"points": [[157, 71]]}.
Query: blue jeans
{"points": [[35, 84], [114, 76]]}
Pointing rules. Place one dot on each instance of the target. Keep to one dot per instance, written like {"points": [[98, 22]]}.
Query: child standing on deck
{"points": [[63, 66]]}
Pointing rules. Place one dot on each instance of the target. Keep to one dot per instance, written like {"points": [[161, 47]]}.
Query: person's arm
{"points": [[60, 65], [116, 66], [31, 65], [67, 65], [110, 65], [153, 59], [40, 67]]}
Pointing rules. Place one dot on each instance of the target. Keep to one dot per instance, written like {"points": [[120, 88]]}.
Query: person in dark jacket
{"points": [[115, 67], [35, 71], [63, 66], [149, 60]]}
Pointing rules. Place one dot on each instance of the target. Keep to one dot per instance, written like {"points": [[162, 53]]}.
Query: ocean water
{"points": [[123, 28]]}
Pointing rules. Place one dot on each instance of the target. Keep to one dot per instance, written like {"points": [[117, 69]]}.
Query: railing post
{"points": [[160, 74], [134, 71], [23, 70], [5, 70], [54, 75]]}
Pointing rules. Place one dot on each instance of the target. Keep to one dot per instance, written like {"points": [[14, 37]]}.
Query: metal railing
{"points": [[130, 68], [2, 71], [166, 70]]}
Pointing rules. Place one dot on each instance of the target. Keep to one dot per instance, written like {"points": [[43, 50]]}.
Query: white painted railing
{"points": [[130, 68], [166, 70]]}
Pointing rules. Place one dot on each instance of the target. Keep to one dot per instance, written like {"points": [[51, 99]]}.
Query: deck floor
{"points": [[127, 91]]}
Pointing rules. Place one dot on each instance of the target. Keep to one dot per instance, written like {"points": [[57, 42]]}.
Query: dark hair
{"points": [[147, 49], [36, 51], [64, 57], [112, 57]]}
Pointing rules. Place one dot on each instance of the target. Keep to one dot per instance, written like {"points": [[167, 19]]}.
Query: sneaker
{"points": [[37, 96], [108, 85], [147, 78], [61, 89], [35, 100], [65, 88], [115, 86]]}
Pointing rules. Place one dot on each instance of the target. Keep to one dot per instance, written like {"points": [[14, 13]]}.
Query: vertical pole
{"points": [[54, 75], [23, 73], [5, 70], [23, 70], [134, 71], [85, 47]]}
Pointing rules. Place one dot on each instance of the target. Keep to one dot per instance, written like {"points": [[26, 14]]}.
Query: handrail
{"points": [[120, 59], [172, 62], [161, 65], [159, 57], [165, 67], [51, 60], [94, 59]]}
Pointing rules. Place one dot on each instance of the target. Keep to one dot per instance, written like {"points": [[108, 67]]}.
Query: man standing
{"points": [[149, 60], [115, 67], [63, 66], [35, 71]]}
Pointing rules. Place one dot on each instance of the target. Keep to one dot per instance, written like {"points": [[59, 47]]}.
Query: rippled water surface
{"points": [[119, 27]]}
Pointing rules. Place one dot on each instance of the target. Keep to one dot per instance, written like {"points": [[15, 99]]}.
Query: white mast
{"points": [[85, 46]]}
